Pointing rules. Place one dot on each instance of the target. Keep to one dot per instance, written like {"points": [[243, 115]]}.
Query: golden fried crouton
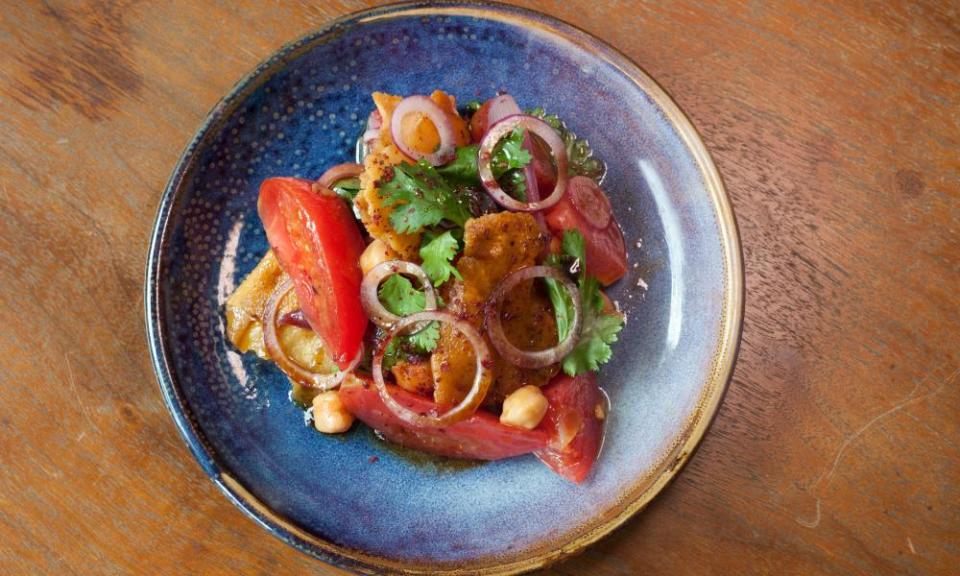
{"points": [[244, 312], [384, 155], [494, 246], [378, 166], [414, 376]]}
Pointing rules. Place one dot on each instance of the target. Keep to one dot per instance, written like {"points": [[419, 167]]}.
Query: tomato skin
{"points": [[480, 437], [573, 402], [606, 249], [318, 243]]}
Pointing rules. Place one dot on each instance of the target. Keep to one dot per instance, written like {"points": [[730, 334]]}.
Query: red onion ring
{"points": [[424, 105], [481, 380], [537, 358], [369, 137], [533, 188], [372, 133], [548, 135], [290, 367], [338, 173], [590, 201], [294, 318], [501, 106], [370, 300]]}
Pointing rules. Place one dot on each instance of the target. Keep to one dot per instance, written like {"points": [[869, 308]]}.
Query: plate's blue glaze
{"points": [[301, 112]]}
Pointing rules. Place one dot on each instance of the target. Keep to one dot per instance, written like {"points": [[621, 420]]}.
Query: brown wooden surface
{"points": [[836, 128]]}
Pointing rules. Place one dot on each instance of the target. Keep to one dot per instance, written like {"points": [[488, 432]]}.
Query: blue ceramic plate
{"points": [[300, 112]]}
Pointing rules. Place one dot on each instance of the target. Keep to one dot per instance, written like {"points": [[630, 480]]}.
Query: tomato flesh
{"points": [[605, 247], [576, 408], [318, 244], [480, 437]]}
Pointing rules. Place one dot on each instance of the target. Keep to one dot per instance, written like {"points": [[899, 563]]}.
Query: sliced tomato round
{"points": [[480, 437], [318, 244], [590, 201], [574, 421], [585, 207]]}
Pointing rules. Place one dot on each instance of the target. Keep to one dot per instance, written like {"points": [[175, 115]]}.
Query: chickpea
{"points": [[330, 416], [375, 253], [600, 410], [524, 408]]}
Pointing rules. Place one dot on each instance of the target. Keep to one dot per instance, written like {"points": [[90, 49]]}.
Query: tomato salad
{"points": [[448, 291]]}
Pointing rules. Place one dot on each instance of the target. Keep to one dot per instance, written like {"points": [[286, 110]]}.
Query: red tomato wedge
{"points": [[586, 208], [318, 243], [480, 437], [574, 422]]}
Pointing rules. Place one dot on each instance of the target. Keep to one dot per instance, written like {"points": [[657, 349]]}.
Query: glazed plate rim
{"points": [[643, 489]]}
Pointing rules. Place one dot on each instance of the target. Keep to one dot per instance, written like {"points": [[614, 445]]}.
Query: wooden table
{"points": [[836, 128]]}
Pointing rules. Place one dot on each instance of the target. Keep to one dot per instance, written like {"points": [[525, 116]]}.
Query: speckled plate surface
{"points": [[300, 112]]}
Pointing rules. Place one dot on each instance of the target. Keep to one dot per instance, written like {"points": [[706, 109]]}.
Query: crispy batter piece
{"points": [[414, 375], [244, 312], [384, 155], [378, 167], [244, 308], [494, 246]]}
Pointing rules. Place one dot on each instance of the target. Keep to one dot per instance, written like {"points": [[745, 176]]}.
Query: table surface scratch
{"points": [[836, 127]]}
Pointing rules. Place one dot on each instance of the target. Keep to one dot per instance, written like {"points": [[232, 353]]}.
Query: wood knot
{"points": [[85, 61], [909, 183]]}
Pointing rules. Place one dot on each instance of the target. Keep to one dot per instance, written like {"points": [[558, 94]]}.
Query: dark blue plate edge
{"points": [[358, 561]]}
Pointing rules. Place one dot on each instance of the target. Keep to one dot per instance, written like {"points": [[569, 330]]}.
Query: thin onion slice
{"points": [[370, 300], [536, 358], [374, 122], [338, 173], [481, 379], [424, 105], [294, 318], [371, 136], [290, 367], [533, 187], [485, 155]]}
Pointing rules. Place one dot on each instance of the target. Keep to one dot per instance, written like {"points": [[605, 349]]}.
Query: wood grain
{"points": [[835, 125]]}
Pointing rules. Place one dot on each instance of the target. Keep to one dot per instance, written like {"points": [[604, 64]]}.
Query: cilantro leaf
{"points": [[463, 168], [574, 245], [437, 255], [593, 349], [421, 198], [424, 341], [509, 153], [514, 183], [590, 295], [509, 159], [507, 164], [579, 154], [348, 188], [400, 297], [393, 353], [562, 307], [598, 330]]}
